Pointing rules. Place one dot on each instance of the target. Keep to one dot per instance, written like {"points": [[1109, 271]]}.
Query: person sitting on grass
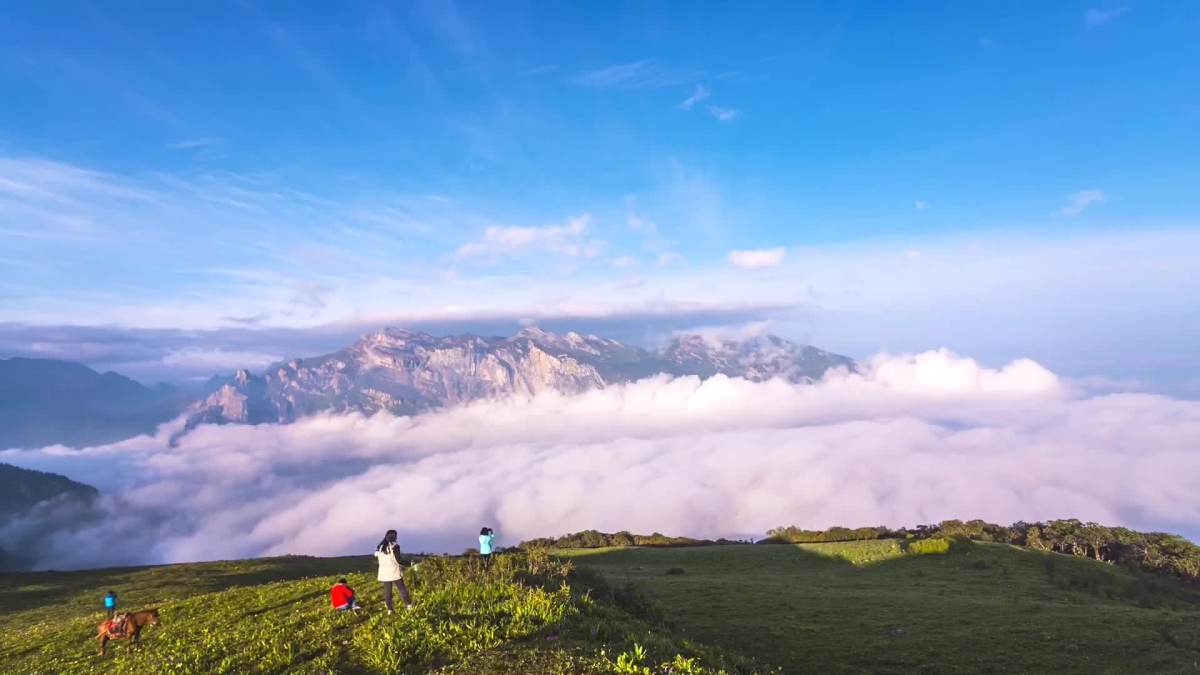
{"points": [[110, 604], [342, 597]]}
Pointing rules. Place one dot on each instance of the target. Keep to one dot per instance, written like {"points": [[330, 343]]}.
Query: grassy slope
{"points": [[866, 607], [855, 607], [272, 616]]}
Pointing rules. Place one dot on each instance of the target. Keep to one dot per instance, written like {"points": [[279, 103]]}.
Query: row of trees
{"points": [[597, 539], [795, 535], [1156, 552]]}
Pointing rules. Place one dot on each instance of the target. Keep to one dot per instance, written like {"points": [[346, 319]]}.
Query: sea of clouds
{"points": [[907, 440]]}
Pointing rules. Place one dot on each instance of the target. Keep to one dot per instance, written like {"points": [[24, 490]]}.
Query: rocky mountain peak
{"points": [[405, 372]]}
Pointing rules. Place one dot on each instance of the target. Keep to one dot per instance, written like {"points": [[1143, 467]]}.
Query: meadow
{"points": [[521, 614], [869, 606], [876, 607]]}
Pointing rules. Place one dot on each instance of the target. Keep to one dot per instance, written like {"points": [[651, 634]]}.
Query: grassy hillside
{"points": [[871, 607], [849, 607], [273, 616], [20, 489]]}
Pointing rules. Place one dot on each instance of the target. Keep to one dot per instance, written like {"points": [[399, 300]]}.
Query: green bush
{"points": [[932, 546]]}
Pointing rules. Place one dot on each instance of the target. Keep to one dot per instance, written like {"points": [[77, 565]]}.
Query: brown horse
{"points": [[134, 623]]}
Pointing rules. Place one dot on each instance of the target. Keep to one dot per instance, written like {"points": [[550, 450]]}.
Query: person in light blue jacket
{"points": [[110, 604], [486, 535]]}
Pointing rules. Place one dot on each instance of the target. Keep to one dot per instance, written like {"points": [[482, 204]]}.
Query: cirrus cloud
{"points": [[1078, 202]]}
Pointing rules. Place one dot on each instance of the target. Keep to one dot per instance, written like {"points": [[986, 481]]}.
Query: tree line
{"points": [[1156, 552], [597, 539]]}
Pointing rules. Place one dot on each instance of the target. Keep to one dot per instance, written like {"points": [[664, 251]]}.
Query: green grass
{"points": [[273, 616], [874, 607]]}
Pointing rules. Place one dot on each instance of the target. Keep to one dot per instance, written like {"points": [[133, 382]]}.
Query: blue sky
{"points": [[1003, 179]]}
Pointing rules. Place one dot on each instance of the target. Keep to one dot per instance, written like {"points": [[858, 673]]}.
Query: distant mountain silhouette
{"points": [[46, 500], [22, 489], [43, 402]]}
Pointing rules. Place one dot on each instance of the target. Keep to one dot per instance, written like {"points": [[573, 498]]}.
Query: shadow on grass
{"points": [[852, 562], [28, 590], [296, 600], [970, 610]]}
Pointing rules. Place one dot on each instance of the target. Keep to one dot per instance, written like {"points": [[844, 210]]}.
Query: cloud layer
{"points": [[910, 439]]}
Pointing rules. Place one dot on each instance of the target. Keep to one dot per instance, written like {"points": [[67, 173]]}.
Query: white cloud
{"points": [[625, 261], [613, 75], [1078, 202], [566, 240], [920, 205], [757, 259], [641, 225], [1098, 17], [723, 114], [195, 143], [910, 439], [643, 73], [668, 259], [698, 94]]}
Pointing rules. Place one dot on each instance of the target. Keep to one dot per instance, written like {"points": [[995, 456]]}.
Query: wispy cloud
{"points": [[1079, 202], [668, 259], [757, 259], [311, 294], [641, 225], [1099, 17], [698, 94], [195, 143], [920, 205], [566, 240], [612, 75], [644, 73], [723, 114]]}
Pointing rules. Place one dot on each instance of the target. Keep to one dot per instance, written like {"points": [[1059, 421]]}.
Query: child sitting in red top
{"points": [[342, 597]]}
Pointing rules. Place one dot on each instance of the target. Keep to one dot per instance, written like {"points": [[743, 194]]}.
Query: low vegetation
{"points": [[1150, 551], [1155, 552], [938, 599], [523, 613], [877, 607]]}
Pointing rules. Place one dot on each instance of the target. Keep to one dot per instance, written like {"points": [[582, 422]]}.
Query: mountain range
{"points": [[405, 372], [44, 401]]}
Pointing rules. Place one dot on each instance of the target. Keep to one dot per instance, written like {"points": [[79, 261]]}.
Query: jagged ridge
{"points": [[405, 372]]}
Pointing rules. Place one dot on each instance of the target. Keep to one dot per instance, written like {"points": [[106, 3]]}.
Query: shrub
{"points": [[932, 546]]}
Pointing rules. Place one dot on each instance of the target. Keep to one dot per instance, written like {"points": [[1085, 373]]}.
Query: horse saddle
{"points": [[116, 627]]}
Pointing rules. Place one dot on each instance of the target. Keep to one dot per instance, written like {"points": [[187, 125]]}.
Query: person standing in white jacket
{"points": [[387, 554]]}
